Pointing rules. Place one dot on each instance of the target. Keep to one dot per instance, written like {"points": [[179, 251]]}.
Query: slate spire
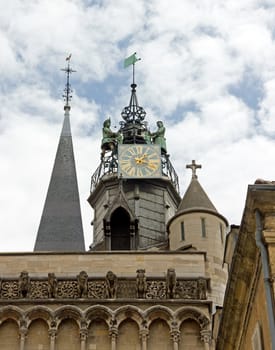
{"points": [[60, 227], [195, 198]]}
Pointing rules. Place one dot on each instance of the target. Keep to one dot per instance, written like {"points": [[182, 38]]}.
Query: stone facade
{"points": [[248, 316], [67, 318]]}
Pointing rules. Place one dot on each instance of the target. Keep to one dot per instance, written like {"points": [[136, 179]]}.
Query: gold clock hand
{"points": [[149, 164], [140, 160]]}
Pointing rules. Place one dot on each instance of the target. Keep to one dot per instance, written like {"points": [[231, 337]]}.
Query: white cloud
{"points": [[192, 53]]}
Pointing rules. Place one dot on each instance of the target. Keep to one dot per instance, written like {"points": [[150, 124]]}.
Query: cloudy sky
{"points": [[207, 71]]}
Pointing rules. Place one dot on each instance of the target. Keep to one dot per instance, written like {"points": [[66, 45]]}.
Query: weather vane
{"points": [[131, 60], [132, 113], [68, 91]]}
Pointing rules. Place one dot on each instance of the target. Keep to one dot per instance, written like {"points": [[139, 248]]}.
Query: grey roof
{"points": [[60, 227], [195, 198]]}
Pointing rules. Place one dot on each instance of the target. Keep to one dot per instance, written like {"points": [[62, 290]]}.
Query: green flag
{"points": [[130, 60]]}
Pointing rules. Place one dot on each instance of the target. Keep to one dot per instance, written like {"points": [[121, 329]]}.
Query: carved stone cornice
{"points": [[95, 288]]}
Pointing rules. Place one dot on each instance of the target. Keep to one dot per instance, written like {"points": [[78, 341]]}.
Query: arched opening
{"points": [[159, 336], [68, 335], [190, 336], [9, 335], [128, 336], [38, 336], [120, 230], [98, 335]]}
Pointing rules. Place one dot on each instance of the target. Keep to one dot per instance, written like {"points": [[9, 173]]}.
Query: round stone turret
{"points": [[198, 226]]}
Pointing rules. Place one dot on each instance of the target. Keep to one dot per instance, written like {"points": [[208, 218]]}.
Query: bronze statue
{"points": [[141, 283], [24, 284], [82, 286], [158, 137], [171, 281], [111, 285], [109, 138], [52, 285]]}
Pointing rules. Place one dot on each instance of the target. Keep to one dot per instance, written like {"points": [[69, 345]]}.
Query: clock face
{"points": [[139, 161]]}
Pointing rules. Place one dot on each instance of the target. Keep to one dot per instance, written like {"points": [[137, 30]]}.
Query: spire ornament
{"points": [[194, 168], [133, 113], [67, 96]]}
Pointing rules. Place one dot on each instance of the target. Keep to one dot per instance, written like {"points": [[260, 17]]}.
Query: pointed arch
{"points": [[192, 313], [66, 312], [158, 312], [120, 230], [120, 224], [98, 312], [11, 312], [41, 312], [129, 312]]}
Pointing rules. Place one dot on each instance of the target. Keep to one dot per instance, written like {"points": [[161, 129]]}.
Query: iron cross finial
{"points": [[68, 91], [194, 168]]}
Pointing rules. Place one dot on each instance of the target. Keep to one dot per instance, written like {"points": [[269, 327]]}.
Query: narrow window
{"points": [[203, 228], [221, 231], [182, 231]]}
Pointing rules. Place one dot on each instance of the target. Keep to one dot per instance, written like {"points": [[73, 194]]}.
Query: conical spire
{"points": [[195, 198], [60, 227]]}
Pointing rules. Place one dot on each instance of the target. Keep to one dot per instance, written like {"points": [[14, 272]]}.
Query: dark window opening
{"points": [[203, 227], [120, 230], [182, 231]]}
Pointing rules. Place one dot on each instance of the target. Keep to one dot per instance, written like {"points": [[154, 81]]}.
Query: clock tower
{"points": [[134, 191]]}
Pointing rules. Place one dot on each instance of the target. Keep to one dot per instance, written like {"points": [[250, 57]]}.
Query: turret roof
{"points": [[195, 198]]}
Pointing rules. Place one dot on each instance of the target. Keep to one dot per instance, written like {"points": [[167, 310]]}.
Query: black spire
{"points": [[60, 227]]}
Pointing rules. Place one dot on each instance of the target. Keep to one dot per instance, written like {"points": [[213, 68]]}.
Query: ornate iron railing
{"points": [[109, 164]]}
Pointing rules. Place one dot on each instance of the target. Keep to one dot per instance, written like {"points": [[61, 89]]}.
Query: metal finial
{"points": [[194, 168], [67, 96]]}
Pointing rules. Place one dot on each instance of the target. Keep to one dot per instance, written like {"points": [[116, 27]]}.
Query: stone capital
{"points": [[83, 333], [206, 336], [175, 335]]}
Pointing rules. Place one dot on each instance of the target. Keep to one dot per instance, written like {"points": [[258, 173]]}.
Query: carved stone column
{"points": [[113, 332], [52, 334], [83, 337], [144, 336], [175, 335], [23, 335], [206, 338]]}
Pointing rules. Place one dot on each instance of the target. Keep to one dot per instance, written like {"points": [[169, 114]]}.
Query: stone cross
{"points": [[194, 167]]}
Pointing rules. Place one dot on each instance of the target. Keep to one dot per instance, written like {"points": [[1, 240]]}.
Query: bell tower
{"points": [[134, 190]]}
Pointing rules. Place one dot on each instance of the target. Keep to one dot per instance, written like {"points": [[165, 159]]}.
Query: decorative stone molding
{"points": [[85, 287]]}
